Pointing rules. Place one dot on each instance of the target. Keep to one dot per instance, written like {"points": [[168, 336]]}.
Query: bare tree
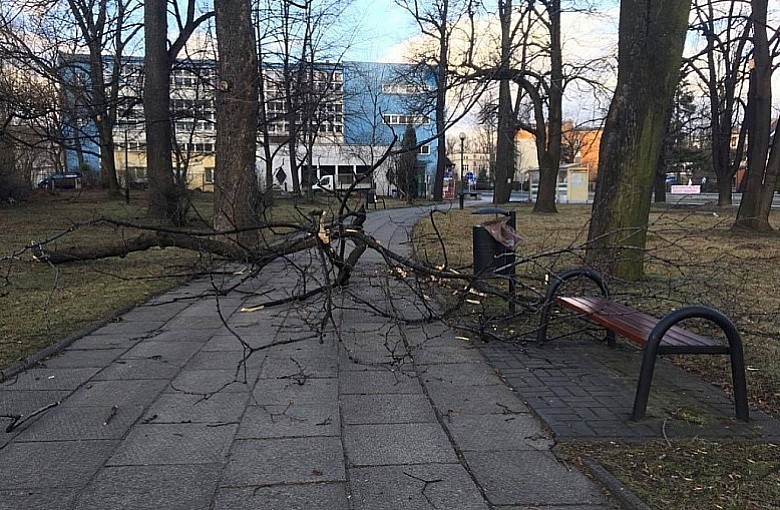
{"points": [[51, 48], [651, 37], [166, 199], [763, 154], [99, 23], [530, 58], [437, 21], [721, 67]]}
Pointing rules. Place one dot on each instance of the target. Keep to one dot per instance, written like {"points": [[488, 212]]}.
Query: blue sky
{"points": [[382, 25]]}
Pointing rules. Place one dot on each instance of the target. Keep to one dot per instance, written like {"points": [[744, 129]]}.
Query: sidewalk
{"points": [[157, 410]]}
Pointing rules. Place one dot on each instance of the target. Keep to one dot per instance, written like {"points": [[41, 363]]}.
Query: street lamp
{"points": [[127, 173], [462, 137]]}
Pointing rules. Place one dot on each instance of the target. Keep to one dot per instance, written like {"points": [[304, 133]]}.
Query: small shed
{"points": [[572, 184]]}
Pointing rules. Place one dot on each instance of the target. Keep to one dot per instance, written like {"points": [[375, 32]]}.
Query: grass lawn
{"points": [[692, 258]]}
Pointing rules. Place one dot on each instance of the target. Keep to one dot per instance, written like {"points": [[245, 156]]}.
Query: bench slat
{"points": [[636, 326]]}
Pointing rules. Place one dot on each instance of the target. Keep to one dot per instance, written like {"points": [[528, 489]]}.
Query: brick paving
{"points": [[584, 390]]}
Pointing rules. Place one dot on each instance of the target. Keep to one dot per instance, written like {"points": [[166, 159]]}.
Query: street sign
{"points": [[469, 176]]}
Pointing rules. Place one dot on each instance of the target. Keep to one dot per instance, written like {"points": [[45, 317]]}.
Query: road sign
{"points": [[469, 176]]}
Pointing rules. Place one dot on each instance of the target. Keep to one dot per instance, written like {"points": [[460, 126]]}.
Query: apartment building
{"points": [[343, 117]]}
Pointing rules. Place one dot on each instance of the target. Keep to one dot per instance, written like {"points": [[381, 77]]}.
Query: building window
{"points": [[208, 175], [425, 149], [401, 88], [405, 120]]}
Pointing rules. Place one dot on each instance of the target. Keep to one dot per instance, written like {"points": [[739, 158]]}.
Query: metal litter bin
{"points": [[491, 258]]}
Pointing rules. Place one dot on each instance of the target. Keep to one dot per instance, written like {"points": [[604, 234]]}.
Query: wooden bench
{"points": [[655, 336]]}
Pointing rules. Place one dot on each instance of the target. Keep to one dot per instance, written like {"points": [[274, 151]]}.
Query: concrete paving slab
{"points": [[177, 352], [119, 393], [497, 432], [171, 335], [181, 487], [284, 391], [311, 496], [130, 369], [358, 363], [357, 359], [291, 461], [82, 423], [59, 464], [531, 478], [151, 312], [291, 420], [228, 342], [460, 374], [225, 360], [184, 408], [27, 401], [480, 400], [136, 327], [316, 366], [430, 355], [414, 487], [37, 499], [401, 443], [189, 443], [375, 382], [93, 342], [49, 379], [77, 358], [207, 382], [379, 409]]}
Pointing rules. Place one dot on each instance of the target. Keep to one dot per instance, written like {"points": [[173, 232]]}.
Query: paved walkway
{"points": [[163, 408]]}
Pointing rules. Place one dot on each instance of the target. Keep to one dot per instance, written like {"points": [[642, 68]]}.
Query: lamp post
{"points": [[127, 173], [462, 137]]}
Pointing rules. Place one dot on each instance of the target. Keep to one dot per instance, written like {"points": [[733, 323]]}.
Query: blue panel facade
{"points": [[79, 131], [380, 99]]}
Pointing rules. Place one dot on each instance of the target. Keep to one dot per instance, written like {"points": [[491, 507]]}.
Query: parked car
{"points": [[66, 180]]}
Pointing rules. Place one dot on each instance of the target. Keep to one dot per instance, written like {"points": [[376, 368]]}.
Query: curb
{"points": [[33, 359], [627, 499]]}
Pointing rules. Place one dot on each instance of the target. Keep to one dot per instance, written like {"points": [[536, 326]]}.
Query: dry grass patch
{"points": [[692, 474]]}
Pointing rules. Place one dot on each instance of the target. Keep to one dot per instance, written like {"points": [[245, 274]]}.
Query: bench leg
{"points": [[552, 292], [651, 354], [738, 378], [644, 383]]}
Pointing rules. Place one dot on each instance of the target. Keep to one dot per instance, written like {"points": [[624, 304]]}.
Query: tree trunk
{"points": [[505, 145], [651, 37], [103, 120], [753, 213], [550, 157], [441, 105], [235, 183], [163, 200]]}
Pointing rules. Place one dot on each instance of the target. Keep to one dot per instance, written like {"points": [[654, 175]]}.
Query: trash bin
{"points": [[491, 257]]}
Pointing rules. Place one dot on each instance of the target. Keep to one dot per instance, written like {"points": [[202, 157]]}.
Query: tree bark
{"points": [[163, 202], [550, 151], [441, 109], [505, 145], [651, 38], [762, 171], [142, 242], [235, 184]]}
